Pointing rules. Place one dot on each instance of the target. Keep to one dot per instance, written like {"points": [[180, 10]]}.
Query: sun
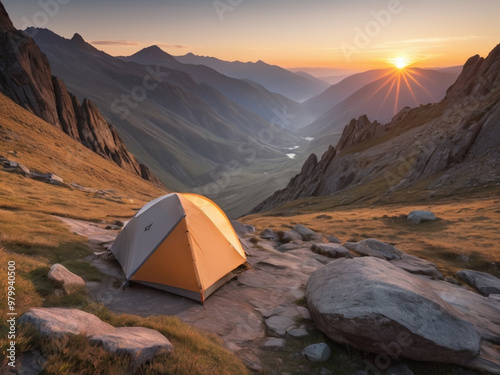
{"points": [[400, 62]]}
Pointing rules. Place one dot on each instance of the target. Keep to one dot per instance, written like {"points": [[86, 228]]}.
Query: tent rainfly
{"points": [[181, 243]]}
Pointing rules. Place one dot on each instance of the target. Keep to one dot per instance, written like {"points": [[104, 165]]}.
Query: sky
{"points": [[341, 34]]}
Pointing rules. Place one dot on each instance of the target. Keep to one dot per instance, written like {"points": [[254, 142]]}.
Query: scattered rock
{"points": [[451, 280], [289, 236], [317, 352], [371, 304], [333, 239], [325, 371], [275, 343], [277, 325], [113, 227], [142, 344], [298, 333], [304, 312], [70, 282], [241, 228], [418, 216], [119, 223], [289, 246], [331, 250], [374, 248], [268, 234], [307, 234], [484, 282]]}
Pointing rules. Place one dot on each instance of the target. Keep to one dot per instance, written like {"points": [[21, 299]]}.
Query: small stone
{"points": [[119, 223], [304, 311], [268, 234], [317, 352], [307, 234], [331, 250], [298, 333], [325, 371], [275, 343], [418, 216], [68, 279], [277, 325], [484, 282], [333, 239]]}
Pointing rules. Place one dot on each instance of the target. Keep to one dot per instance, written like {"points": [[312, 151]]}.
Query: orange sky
{"points": [[357, 35]]}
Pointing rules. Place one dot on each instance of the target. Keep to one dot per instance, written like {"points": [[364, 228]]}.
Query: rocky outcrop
{"points": [[308, 182], [142, 344], [418, 216], [443, 143], [377, 307], [26, 78], [359, 130]]}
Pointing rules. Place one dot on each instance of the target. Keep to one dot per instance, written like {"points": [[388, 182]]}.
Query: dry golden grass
{"points": [[466, 235], [34, 239]]}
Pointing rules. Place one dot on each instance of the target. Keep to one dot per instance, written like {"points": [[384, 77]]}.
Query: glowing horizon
{"points": [[289, 33]]}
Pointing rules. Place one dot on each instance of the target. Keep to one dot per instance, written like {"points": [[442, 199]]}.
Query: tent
{"points": [[181, 243]]}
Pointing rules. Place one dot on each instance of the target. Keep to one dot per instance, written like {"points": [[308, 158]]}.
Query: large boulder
{"points": [[413, 264], [418, 216], [374, 306], [484, 282], [242, 228], [69, 281], [289, 236], [142, 344], [374, 248]]}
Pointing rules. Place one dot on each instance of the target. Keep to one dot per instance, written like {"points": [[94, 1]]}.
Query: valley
{"points": [[365, 207]]}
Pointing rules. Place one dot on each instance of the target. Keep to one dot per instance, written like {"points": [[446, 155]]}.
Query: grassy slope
{"points": [[34, 239]]}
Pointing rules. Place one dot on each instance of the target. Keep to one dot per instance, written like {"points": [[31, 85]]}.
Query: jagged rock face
{"points": [[459, 136], [25, 77], [25, 72], [359, 130]]}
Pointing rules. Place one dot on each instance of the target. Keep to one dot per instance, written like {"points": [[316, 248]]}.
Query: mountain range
{"points": [[442, 149], [201, 130], [298, 87]]}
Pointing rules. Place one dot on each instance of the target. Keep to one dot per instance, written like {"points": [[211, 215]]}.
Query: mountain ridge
{"points": [[26, 77], [443, 148]]}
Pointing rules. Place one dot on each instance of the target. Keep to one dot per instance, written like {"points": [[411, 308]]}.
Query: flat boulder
{"points": [[374, 248], [69, 281], [307, 234], [418, 216], [485, 283], [331, 250], [373, 305], [142, 344]]}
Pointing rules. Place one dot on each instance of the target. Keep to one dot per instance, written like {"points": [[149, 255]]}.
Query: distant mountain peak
{"points": [[77, 38], [153, 52]]}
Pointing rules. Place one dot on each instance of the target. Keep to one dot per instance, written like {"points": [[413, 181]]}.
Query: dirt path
{"points": [[260, 303]]}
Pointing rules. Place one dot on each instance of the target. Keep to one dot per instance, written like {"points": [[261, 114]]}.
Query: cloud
{"points": [[126, 43], [175, 46], [115, 43]]}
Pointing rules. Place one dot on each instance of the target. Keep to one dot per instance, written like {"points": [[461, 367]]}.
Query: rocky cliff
{"points": [[443, 148], [26, 78]]}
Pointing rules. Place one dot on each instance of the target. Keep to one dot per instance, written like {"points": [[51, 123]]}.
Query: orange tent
{"points": [[181, 243]]}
